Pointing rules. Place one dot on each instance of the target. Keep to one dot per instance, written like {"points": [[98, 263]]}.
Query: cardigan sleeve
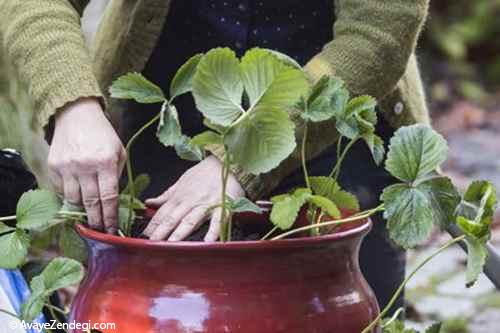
{"points": [[374, 41], [44, 42]]}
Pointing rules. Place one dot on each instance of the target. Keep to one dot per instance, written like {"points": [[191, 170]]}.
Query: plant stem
{"points": [[353, 218], [229, 226], [64, 212], [53, 310], [393, 318], [270, 233], [225, 173], [339, 146], [56, 309], [130, 173], [8, 218], [10, 314], [336, 170], [405, 281], [303, 157]]}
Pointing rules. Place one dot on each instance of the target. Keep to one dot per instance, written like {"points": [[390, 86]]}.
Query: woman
{"points": [[371, 48]]}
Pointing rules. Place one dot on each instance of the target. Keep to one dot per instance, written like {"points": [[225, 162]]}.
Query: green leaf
{"points": [[183, 79], [326, 205], [41, 241], [70, 207], [242, 204], [269, 82], [476, 258], [327, 99], [188, 151], [217, 86], [261, 140], [358, 117], [5, 228], [59, 273], [412, 211], [36, 209], [33, 306], [286, 208], [125, 201], [414, 152], [396, 326], [476, 212], [444, 199], [217, 128], [169, 129], [284, 58], [328, 187], [123, 220], [141, 183], [135, 86], [14, 249], [71, 243], [206, 138], [434, 328], [376, 146]]}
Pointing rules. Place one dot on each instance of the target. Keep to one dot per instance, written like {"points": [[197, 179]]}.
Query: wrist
{"points": [[80, 112]]}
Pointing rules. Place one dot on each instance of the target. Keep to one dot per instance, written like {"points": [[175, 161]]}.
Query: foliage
{"points": [[475, 216], [59, 273], [423, 199], [397, 326], [245, 103]]}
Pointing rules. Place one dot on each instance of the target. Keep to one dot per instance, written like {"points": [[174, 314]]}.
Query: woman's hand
{"points": [[184, 206], [85, 160]]}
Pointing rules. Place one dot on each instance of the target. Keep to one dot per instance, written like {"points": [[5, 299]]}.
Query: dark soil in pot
{"points": [[247, 226]]}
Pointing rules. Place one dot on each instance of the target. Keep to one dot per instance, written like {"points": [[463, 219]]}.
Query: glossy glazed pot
{"points": [[300, 285]]}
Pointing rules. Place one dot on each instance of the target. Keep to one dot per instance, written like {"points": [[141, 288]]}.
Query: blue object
{"points": [[15, 287]]}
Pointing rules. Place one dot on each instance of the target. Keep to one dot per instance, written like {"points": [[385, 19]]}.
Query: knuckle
{"points": [[82, 162], [190, 222], [53, 164], [91, 201]]}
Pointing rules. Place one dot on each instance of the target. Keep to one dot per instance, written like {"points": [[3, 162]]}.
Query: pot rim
{"points": [[139, 243]]}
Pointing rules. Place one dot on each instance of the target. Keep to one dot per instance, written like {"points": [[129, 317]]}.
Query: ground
{"points": [[438, 293]]}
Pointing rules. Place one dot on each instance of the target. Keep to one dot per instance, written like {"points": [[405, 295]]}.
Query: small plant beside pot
{"points": [[245, 104]]}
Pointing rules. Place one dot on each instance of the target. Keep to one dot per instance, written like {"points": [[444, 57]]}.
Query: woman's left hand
{"points": [[185, 205]]}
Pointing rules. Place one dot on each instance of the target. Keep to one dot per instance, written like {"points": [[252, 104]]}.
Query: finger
{"points": [[152, 225], [189, 223], [72, 193], [169, 217], [214, 228], [108, 194], [162, 198], [57, 182], [121, 161], [91, 202]]}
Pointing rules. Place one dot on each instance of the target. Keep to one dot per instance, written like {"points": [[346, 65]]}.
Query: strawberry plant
{"points": [[245, 104]]}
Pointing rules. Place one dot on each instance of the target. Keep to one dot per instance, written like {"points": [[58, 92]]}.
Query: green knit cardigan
{"points": [[373, 52]]}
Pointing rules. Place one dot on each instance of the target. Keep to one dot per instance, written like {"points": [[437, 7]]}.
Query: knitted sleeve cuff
{"points": [[44, 42]]}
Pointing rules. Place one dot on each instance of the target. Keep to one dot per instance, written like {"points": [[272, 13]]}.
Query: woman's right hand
{"points": [[86, 159]]}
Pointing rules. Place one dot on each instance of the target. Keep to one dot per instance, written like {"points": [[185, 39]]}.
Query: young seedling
{"points": [[244, 103], [421, 200]]}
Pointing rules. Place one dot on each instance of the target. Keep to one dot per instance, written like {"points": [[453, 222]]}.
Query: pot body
{"points": [[303, 285]]}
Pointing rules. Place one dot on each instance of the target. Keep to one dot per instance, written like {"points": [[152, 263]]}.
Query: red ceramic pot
{"points": [[300, 285]]}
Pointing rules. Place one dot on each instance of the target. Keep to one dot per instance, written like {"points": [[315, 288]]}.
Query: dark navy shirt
{"points": [[295, 27]]}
